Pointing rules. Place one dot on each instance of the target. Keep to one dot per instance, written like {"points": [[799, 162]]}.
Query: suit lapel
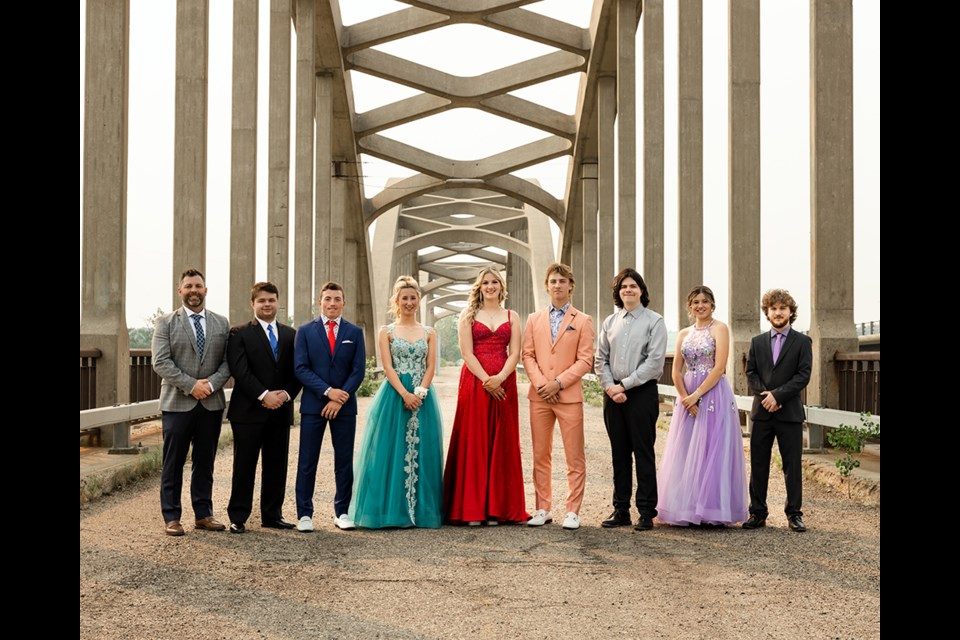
{"points": [[186, 325], [787, 345], [565, 322], [263, 340]]}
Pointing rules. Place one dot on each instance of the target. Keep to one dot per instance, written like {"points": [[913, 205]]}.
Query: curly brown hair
{"points": [[781, 296]]}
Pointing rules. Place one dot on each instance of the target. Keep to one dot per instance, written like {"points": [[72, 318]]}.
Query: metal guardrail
{"points": [[119, 418], [818, 418]]}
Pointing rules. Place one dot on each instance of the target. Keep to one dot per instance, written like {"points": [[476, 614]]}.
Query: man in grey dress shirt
{"points": [[633, 344]]}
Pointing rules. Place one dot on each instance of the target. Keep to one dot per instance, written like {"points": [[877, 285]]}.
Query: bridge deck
{"points": [[503, 582]]}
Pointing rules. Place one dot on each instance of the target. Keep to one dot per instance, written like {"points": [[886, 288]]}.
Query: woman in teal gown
{"points": [[399, 470]]}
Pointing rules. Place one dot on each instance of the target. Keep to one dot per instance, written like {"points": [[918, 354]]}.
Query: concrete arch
{"points": [[448, 236], [422, 184]]}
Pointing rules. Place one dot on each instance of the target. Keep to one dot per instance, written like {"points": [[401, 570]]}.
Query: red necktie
{"points": [[331, 338]]}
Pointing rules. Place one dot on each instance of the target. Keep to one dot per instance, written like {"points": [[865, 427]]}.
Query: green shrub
{"points": [[849, 440], [372, 380]]}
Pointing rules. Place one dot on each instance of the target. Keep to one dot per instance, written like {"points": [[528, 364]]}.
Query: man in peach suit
{"points": [[557, 352]]}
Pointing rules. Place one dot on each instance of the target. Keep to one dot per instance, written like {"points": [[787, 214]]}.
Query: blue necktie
{"points": [[201, 340], [273, 341]]}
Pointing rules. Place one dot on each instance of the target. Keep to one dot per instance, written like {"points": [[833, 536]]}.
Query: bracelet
{"points": [[421, 392]]}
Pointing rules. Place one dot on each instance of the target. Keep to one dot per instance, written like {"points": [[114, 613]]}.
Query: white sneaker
{"points": [[492, 523], [540, 518], [473, 523], [572, 521], [305, 524], [344, 522]]}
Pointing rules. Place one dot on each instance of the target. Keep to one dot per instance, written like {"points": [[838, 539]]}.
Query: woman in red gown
{"points": [[483, 480]]}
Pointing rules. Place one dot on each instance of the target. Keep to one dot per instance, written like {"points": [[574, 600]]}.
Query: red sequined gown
{"points": [[483, 479]]}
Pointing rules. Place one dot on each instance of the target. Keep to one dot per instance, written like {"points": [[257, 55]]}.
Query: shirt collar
{"points": [[264, 325], [324, 319], [635, 313], [774, 332], [562, 310], [202, 313]]}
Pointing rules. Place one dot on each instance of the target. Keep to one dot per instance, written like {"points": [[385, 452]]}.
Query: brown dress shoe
{"points": [[210, 524], [173, 528]]}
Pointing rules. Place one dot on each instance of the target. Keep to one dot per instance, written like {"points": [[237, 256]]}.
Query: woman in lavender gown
{"points": [[703, 478]]}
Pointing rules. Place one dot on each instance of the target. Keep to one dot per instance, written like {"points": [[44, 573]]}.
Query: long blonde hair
{"points": [[475, 301], [403, 282]]}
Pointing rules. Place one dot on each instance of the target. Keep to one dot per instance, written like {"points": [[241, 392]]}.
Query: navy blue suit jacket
{"points": [[319, 371]]}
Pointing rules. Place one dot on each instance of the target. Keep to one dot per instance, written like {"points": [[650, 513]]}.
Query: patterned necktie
{"points": [[331, 338], [201, 340], [273, 341], [777, 345]]}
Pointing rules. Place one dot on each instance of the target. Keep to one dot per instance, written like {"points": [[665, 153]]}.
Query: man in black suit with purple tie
{"points": [[778, 369], [260, 354]]}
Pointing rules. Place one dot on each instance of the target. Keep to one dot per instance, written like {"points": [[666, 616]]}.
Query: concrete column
{"points": [[831, 193], [627, 132], [350, 280], [690, 148], [744, 189], [278, 158], [303, 298], [103, 324], [190, 141], [337, 230], [653, 265], [606, 111], [591, 285], [243, 158], [524, 280], [542, 252], [324, 240], [576, 263]]}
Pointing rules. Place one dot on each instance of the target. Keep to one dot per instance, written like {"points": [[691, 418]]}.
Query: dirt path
{"points": [[502, 582]]}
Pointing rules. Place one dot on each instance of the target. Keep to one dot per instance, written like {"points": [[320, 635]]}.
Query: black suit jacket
{"points": [[786, 379], [255, 371]]}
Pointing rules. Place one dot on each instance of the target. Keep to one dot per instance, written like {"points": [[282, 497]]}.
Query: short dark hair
{"points": [[782, 296], [269, 287], [192, 273], [330, 285], [629, 272]]}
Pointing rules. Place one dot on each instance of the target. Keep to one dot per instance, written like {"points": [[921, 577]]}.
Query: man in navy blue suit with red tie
{"points": [[330, 361]]}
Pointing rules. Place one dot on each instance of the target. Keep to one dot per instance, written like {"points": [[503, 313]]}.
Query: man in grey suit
{"points": [[190, 355]]}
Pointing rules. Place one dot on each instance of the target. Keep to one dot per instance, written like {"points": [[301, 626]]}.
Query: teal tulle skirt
{"points": [[399, 470]]}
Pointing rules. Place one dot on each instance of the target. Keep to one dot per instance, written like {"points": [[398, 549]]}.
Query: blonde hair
{"points": [[475, 301], [403, 282]]}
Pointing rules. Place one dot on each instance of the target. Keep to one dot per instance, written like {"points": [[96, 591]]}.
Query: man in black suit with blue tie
{"points": [[330, 361], [260, 354], [778, 369]]}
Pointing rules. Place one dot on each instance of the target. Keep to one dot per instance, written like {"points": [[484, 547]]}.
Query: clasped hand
{"points": [[492, 386]]}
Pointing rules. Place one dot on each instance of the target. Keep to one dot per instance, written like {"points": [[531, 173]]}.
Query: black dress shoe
{"points": [[279, 524], [237, 527], [796, 524], [619, 518], [644, 523], [755, 522]]}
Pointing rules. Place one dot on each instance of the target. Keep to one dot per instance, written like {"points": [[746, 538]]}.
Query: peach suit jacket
{"points": [[568, 358]]}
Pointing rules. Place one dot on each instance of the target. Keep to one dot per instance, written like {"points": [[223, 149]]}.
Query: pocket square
{"points": [[347, 342], [571, 328]]}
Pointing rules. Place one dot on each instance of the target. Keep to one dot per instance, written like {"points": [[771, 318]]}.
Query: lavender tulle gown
{"points": [[703, 477]]}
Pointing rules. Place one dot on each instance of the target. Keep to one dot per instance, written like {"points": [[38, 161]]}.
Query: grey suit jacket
{"points": [[176, 361]]}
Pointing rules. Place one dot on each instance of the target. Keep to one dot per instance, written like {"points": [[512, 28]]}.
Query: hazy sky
{"points": [[468, 134]]}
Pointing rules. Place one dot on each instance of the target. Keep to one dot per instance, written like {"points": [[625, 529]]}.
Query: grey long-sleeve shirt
{"points": [[632, 348]]}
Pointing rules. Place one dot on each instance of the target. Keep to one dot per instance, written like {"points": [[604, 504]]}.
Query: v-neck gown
{"points": [[483, 479]]}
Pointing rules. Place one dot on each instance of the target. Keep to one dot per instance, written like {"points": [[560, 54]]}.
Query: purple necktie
{"points": [[777, 345]]}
